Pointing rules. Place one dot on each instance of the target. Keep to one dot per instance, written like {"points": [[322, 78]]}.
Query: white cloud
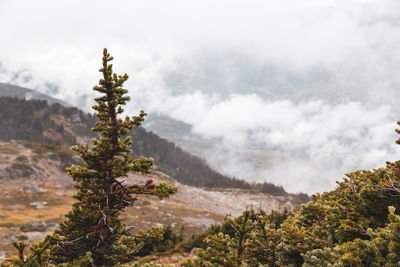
{"points": [[312, 141], [54, 39]]}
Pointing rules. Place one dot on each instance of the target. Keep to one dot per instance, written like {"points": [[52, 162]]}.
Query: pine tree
{"points": [[398, 131], [94, 224], [225, 250], [261, 245]]}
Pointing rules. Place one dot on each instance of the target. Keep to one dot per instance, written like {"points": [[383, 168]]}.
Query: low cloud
{"points": [[304, 146]]}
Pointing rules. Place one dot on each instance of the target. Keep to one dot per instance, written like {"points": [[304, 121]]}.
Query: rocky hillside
{"points": [[37, 121], [35, 193]]}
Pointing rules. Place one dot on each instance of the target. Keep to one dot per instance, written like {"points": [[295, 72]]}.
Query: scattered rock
{"points": [[289, 205], [39, 205], [193, 251], [145, 203], [76, 118], [200, 222], [54, 157], [35, 236], [2, 255], [32, 188], [8, 239], [3, 173], [19, 169], [44, 225]]}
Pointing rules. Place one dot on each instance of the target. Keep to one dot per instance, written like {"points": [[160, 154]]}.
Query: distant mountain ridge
{"points": [[25, 93]]}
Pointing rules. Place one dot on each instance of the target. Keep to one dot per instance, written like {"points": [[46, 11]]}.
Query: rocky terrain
{"points": [[35, 193]]}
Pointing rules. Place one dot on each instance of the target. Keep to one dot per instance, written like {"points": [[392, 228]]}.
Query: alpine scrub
{"points": [[356, 224]]}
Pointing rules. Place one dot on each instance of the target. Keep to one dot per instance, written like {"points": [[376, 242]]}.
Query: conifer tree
{"points": [[224, 250], [94, 224]]}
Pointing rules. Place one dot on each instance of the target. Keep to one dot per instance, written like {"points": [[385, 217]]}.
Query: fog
{"points": [[293, 92]]}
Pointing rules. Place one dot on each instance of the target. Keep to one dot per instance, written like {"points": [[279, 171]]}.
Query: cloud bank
{"points": [[305, 146], [356, 41]]}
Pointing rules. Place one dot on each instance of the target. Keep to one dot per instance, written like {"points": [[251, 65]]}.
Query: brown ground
{"points": [[35, 193]]}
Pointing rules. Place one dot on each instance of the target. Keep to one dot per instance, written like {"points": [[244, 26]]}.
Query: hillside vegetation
{"points": [[66, 126]]}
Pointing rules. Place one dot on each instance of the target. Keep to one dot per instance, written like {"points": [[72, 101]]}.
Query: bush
{"points": [[27, 227], [168, 241], [348, 226]]}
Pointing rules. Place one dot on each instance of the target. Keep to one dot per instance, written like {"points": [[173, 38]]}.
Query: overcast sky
{"points": [[206, 63]]}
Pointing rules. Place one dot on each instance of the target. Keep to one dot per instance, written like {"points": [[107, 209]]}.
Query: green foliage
{"points": [[380, 250], [37, 258], [23, 167], [398, 131], [22, 158], [133, 243], [42, 148], [93, 233], [83, 261], [168, 241], [223, 250], [197, 240], [136, 264], [27, 227], [249, 240], [55, 152], [270, 189], [348, 226], [36, 118], [94, 224]]}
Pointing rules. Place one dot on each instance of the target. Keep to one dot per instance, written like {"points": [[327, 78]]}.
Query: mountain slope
{"points": [[35, 193], [25, 93], [37, 121]]}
